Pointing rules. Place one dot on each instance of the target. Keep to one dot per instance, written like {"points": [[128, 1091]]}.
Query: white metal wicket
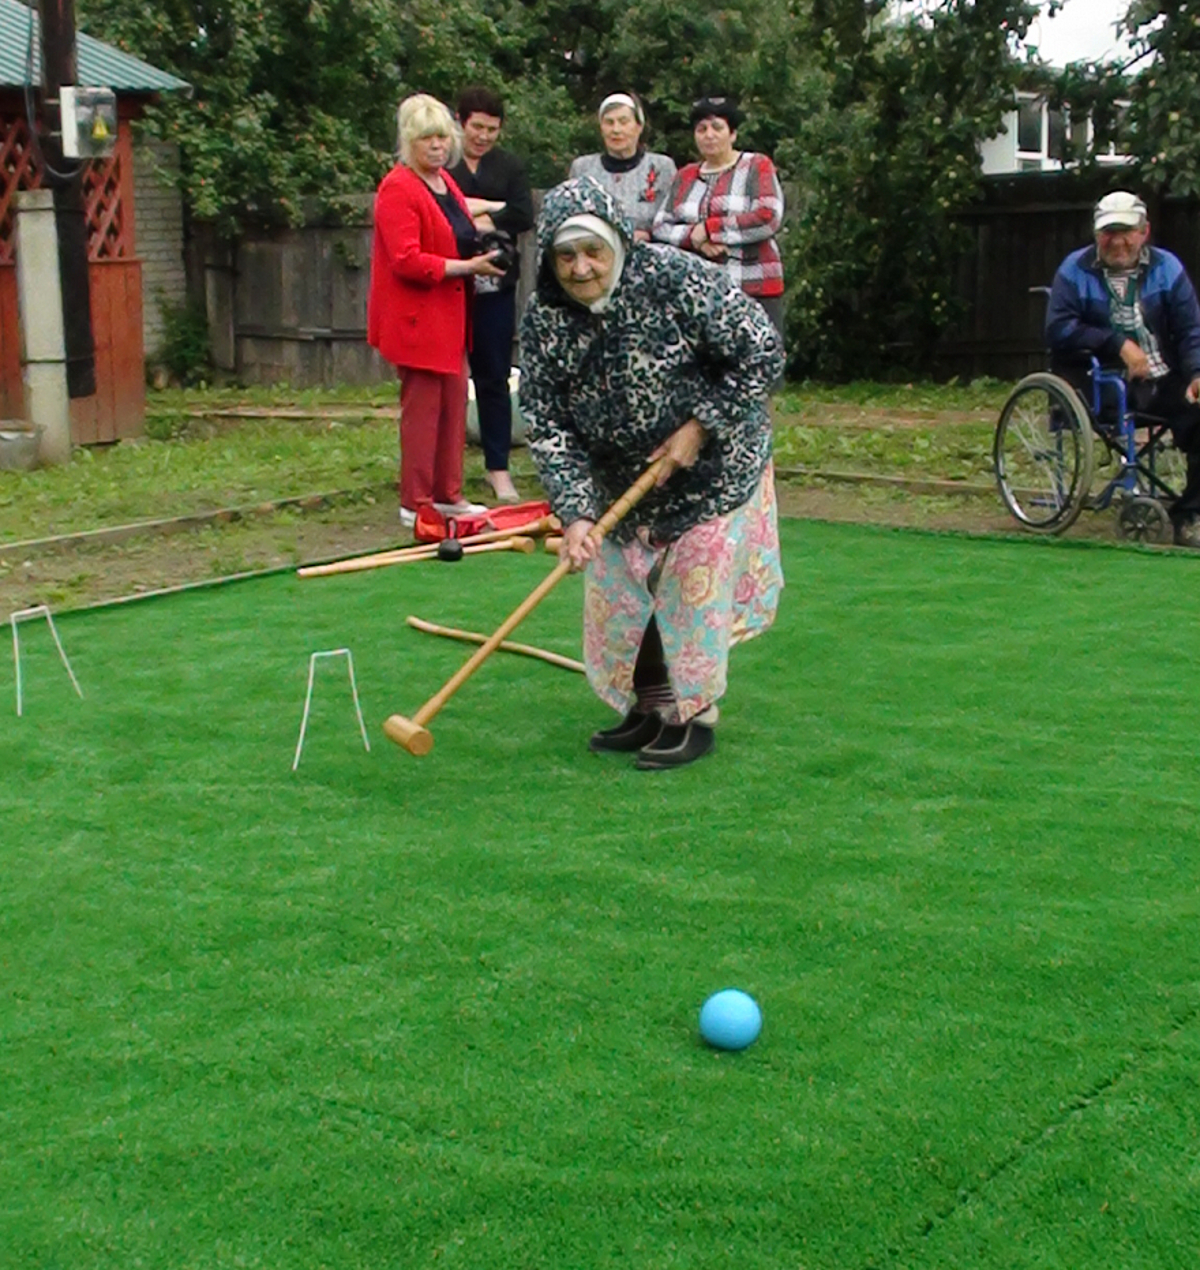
{"points": [[24, 615], [312, 666]]}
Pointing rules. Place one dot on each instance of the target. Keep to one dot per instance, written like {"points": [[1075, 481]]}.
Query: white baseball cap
{"points": [[1120, 208]]}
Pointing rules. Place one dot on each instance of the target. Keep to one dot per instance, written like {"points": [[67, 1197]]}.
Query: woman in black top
{"points": [[497, 190]]}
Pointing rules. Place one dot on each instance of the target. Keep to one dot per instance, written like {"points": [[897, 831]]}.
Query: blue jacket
{"points": [[1077, 317]]}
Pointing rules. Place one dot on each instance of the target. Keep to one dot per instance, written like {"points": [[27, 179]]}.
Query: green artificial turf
{"points": [[399, 1012]]}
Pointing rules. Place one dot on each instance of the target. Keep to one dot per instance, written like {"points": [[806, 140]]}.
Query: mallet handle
{"points": [[493, 641], [621, 508], [506, 646]]}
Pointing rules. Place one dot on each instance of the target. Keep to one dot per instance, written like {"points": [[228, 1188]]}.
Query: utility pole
{"points": [[65, 178]]}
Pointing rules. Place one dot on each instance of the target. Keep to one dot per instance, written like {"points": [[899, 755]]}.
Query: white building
{"points": [[1037, 137]]}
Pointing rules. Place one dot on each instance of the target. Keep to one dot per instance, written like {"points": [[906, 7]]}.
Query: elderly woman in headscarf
{"points": [[636, 177], [631, 354]]}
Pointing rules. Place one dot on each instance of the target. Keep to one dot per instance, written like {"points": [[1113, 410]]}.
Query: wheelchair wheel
{"points": [[1042, 454], [1144, 519]]}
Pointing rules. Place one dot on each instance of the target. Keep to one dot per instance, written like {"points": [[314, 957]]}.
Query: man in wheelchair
{"points": [[1133, 306]]}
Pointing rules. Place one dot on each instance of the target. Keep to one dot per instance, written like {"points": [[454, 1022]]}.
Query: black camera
{"points": [[498, 241]]}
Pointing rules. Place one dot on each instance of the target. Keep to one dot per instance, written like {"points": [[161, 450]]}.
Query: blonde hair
{"points": [[424, 116]]}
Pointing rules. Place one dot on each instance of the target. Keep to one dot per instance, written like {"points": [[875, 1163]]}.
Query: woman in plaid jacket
{"points": [[728, 207]]}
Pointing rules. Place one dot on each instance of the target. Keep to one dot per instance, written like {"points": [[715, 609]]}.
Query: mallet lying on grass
{"points": [[509, 541], [412, 734], [505, 645], [380, 559]]}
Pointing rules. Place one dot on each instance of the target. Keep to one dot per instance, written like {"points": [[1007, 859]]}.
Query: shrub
{"points": [[184, 350]]}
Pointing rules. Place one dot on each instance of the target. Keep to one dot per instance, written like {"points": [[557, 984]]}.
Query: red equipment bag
{"points": [[517, 515], [432, 526]]}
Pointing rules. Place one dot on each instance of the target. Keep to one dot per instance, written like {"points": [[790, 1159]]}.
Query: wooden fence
{"points": [[291, 306]]}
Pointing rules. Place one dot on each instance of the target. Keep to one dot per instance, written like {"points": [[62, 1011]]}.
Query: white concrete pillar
{"points": [[43, 346]]}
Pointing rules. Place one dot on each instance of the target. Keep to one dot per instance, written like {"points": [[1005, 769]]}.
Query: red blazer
{"points": [[416, 316]]}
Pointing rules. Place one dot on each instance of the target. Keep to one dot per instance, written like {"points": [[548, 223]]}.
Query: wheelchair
{"points": [[1049, 443]]}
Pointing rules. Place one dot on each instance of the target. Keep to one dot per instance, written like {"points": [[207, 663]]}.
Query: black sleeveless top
{"points": [[461, 224]]}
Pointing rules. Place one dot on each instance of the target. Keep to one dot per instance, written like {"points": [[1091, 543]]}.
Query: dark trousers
{"points": [[492, 328], [1164, 399], [650, 667]]}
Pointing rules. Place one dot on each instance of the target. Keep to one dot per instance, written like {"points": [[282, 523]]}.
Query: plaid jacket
{"points": [[742, 210]]}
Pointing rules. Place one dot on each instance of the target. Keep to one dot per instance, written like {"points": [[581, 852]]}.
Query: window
{"points": [[1029, 126], [1042, 138]]}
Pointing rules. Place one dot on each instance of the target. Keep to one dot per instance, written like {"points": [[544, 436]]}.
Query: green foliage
{"points": [[184, 350], [673, 51], [1159, 83], [292, 100], [1162, 119], [875, 121], [884, 163], [289, 98]]}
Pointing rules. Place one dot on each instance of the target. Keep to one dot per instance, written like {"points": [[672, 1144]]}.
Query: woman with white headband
{"points": [[636, 177], [630, 354]]}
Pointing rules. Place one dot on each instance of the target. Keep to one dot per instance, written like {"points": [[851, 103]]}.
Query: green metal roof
{"points": [[99, 65]]}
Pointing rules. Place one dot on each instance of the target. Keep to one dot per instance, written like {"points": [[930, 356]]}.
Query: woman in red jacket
{"points": [[419, 306]]}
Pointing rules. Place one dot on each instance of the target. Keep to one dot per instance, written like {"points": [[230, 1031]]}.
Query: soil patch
{"points": [[78, 575]]}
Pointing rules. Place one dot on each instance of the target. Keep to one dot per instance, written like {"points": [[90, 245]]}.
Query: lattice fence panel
{"points": [[19, 170], [104, 206], [105, 209]]}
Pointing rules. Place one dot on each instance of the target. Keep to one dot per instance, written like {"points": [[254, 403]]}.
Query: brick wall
{"points": [[158, 236]]}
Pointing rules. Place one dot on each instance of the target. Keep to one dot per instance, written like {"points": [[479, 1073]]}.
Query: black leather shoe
{"points": [[677, 745], [634, 731]]}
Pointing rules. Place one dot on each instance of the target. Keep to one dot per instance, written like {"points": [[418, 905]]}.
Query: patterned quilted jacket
{"points": [[600, 391]]}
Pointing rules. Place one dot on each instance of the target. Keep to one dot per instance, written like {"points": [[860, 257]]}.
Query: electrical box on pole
{"points": [[89, 121]]}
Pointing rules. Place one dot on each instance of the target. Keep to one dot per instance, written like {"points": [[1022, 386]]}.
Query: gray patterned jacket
{"points": [[640, 192], [599, 392]]}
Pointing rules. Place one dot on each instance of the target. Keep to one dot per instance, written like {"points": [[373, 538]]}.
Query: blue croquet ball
{"points": [[730, 1020]]}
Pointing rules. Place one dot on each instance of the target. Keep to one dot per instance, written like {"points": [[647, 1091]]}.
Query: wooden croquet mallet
{"points": [[427, 551], [412, 734], [422, 551]]}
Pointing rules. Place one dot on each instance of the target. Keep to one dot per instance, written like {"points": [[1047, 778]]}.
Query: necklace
{"points": [[708, 169]]}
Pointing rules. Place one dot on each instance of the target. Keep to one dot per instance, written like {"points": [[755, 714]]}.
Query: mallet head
{"points": [[408, 735], [450, 549]]}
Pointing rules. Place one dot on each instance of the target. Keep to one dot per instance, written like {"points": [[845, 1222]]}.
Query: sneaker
{"points": [[634, 731], [408, 517], [461, 508], [676, 746]]}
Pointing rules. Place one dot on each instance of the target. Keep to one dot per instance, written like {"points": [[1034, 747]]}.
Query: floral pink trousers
{"points": [[711, 588]]}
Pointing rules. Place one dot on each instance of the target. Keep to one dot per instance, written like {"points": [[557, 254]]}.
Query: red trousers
{"points": [[433, 434]]}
